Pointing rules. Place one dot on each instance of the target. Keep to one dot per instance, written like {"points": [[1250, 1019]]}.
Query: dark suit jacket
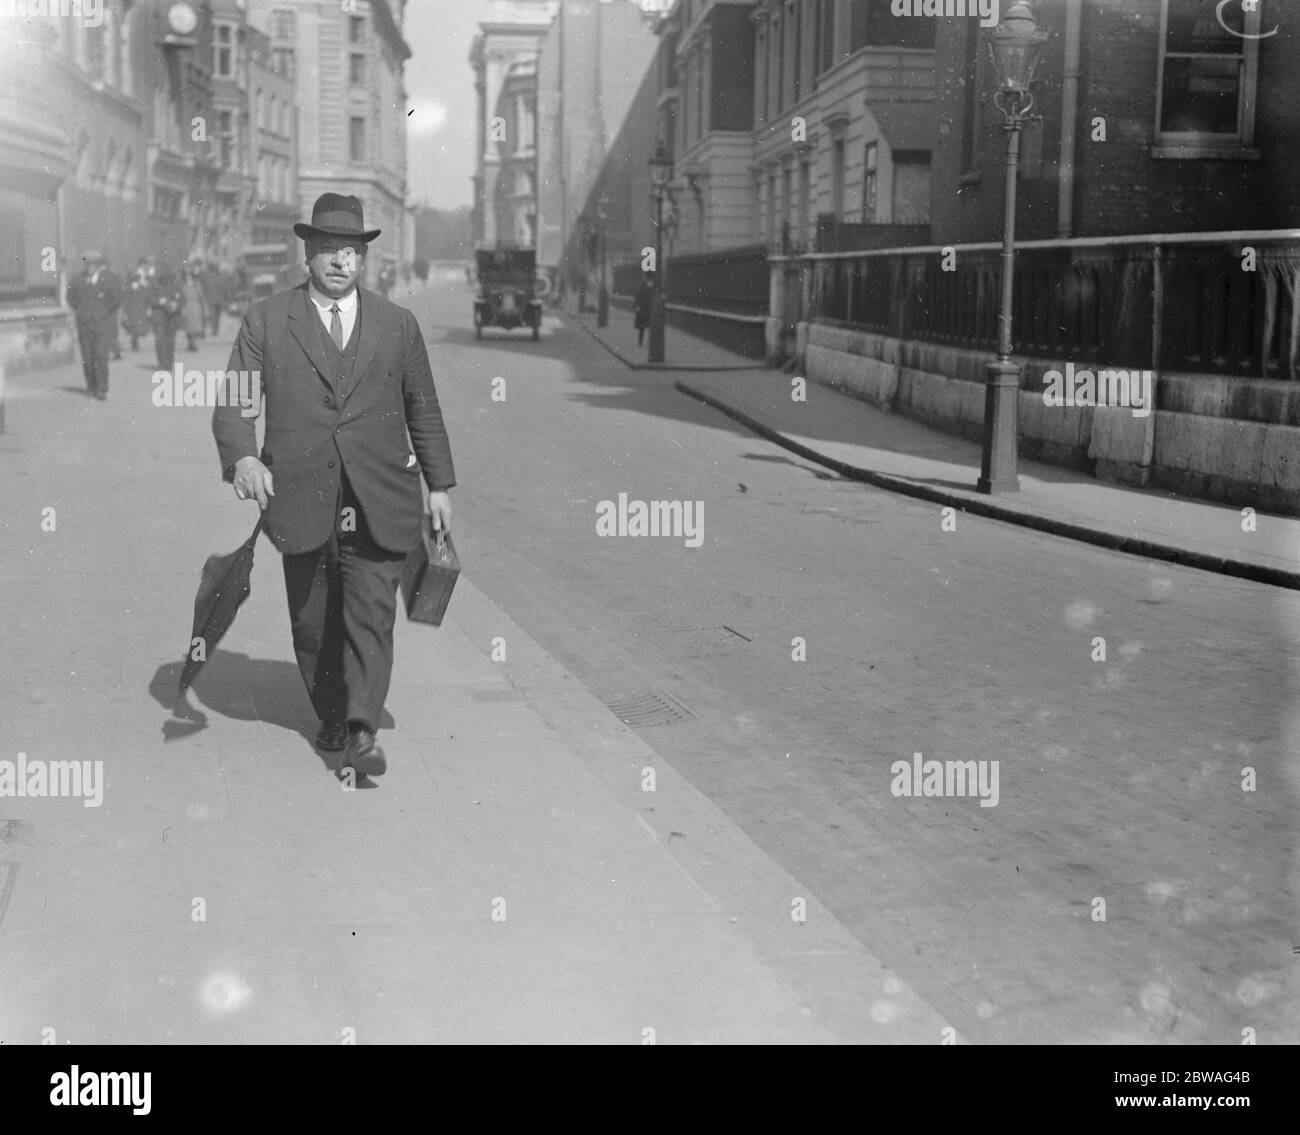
{"points": [[95, 303], [312, 433]]}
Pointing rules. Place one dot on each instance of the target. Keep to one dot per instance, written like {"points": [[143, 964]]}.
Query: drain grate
{"points": [[8, 871], [646, 710]]}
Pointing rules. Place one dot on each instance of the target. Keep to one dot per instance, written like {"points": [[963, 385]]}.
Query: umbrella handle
{"points": [[261, 519]]}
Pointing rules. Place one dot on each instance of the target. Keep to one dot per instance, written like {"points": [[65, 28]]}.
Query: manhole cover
{"points": [[645, 710], [694, 641]]}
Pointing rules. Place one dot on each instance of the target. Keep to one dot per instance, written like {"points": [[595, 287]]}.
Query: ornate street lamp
{"points": [[1015, 45], [584, 235], [602, 299], [661, 169]]}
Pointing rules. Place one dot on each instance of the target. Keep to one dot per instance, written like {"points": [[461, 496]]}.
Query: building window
{"points": [[778, 64], [771, 210], [356, 29], [1208, 74], [259, 109], [168, 204], [686, 106], [875, 25], [226, 139], [869, 175], [357, 139], [699, 96], [910, 200], [223, 50], [797, 50], [787, 204], [837, 178], [13, 242], [357, 69], [283, 62], [760, 76], [805, 199], [825, 35], [282, 26], [94, 44]]}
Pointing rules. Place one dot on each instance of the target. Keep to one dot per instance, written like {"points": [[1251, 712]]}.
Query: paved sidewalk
{"points": [[510, 880], [860, 441], [682, 351]]}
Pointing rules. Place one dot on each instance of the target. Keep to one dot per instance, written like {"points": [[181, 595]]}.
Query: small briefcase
{"points": [[429, 576]]}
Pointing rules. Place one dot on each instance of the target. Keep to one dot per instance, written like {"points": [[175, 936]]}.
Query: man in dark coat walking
{"points": [[166, 301], [641, 306], [345, 377], [95, 296]]}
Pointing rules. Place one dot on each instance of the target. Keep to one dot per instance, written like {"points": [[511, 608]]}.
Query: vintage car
{"points": [[261, 271], [506, 295]]}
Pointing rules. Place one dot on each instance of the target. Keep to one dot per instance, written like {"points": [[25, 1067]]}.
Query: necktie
{"points": [[336, 327]]}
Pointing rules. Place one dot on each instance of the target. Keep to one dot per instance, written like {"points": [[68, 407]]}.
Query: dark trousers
{"points": [[342, 607], [96, 339], [164, 337]]}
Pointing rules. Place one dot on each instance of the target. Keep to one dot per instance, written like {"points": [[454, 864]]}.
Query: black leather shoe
{"points": [[333, 736], [363, 755]]}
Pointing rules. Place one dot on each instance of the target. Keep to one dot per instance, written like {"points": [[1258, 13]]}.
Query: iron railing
{"points": [[1215, 303]]}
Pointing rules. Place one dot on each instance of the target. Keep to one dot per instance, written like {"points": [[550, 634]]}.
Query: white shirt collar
{"points": [[321, 300]]}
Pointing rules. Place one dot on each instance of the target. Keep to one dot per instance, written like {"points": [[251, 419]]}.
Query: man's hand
{"points": [[440, 510], [253, 479]]}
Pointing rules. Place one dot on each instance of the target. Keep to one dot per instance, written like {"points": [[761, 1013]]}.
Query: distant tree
{"points": [[444, 234]]}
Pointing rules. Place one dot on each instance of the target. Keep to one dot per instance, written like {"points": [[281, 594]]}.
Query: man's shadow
{"points": [[246, 689]]}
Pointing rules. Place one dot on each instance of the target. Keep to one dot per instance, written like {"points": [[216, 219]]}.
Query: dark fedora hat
{"points": [[336, 215]]}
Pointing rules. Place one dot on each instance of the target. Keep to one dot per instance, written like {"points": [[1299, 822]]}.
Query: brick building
{"points": [[1158, 231], [1175, 123]]}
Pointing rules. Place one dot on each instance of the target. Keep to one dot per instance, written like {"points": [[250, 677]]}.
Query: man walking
{"points": [[345, 378], [214, 296], [95, 296], [641, 303], [165, 304]]}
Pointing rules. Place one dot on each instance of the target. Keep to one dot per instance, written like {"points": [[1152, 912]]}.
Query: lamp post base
{"points": [[998, 460], [658, 317], [602, 307]]}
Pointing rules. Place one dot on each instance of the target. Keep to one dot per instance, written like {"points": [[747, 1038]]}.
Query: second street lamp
{"points": [[602, 298], [661, 168], [1015, 45], [584, 235]]}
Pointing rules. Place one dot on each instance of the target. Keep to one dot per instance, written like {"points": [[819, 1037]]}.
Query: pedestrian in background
{"points": [[164, 315], [95, 296], [115, 344], [644, 293], [214, 295], [139, 290], [194, 310]]}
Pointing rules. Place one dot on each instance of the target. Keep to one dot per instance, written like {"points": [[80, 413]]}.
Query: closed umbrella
{"points": [[223, 587]]}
